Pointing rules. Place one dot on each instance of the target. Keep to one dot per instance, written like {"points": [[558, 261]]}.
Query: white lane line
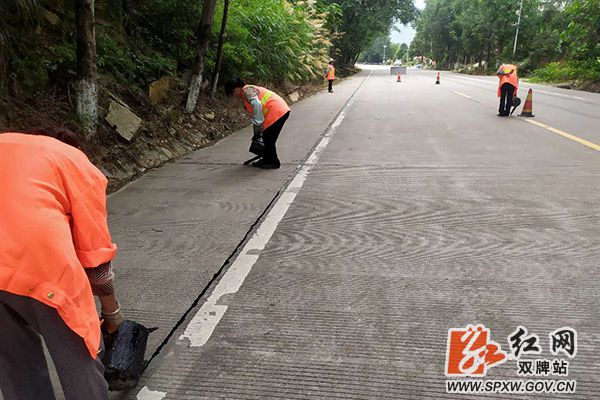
{"points": [[568, 96], [207, 318], [204, 322], [147, 394], [462, 94]]}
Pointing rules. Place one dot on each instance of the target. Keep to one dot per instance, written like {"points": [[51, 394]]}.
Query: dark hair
{"points": [[64, 135], [232, 84]]}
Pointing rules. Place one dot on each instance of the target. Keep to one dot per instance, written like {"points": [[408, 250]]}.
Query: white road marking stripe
{"points": [[207, 318], [462, 94], [147, 394], [204, 322]]}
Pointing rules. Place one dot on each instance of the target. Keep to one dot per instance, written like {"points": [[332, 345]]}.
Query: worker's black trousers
{"points": [[330, 81], [24, 375], [507, 91], [270, 136]]}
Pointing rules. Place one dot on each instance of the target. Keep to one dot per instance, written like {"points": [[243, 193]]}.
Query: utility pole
{"points": [[518, 25], [384, 46]]}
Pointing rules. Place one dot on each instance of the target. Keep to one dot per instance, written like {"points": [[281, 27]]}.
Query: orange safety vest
{"points": [[510, 77], [52, 226], [273, 106], [330, 72]]}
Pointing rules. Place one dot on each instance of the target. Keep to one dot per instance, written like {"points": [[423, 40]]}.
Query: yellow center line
{"points": [[565, 134], [569, 136]]}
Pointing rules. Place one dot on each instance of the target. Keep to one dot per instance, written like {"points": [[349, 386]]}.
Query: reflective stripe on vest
{"points": [[508, 77], [330, 72], [273, 106], [263, 102]]}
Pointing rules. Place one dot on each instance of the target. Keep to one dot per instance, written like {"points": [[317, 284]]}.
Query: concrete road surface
{"points": [[402, 210]]}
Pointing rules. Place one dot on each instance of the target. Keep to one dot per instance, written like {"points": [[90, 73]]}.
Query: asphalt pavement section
{"points": [[177, 226], [422, 211], [425, 212]]}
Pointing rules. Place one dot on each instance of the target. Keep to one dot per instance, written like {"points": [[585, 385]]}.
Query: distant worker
{"points": [[330, 74], [55, 254], [269, 113], [507, 88]]}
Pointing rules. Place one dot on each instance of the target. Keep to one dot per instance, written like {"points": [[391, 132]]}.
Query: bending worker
{"points": [[507, 88], [269, 113], [55, 251], [330, 75]]}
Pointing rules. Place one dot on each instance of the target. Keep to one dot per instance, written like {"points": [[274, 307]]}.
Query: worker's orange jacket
{"points": [[273, 106], [507, 74], [52, 226], [330, 72]]}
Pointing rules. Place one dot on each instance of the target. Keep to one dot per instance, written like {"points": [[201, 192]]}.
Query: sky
{"points": [[407, 33]]}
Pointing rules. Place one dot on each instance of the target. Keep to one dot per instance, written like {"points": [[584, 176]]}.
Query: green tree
{"points": [[583, 31], [374, 53], [363, 21], [563, 34], [203, 38]]}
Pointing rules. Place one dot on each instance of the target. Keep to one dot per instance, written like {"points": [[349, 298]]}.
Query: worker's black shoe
{"points": [[270, 165], [266, 164]]}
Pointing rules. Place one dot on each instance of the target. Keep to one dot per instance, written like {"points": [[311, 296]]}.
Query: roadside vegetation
{"points": [[558, 41], [393, 51], [70, 63], [136, 42]]}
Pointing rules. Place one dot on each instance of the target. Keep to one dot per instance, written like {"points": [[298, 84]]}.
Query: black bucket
{"points": [[124, 356], [516, 103], [257, 146]]}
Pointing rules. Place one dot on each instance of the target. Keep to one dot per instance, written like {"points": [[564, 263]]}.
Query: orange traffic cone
{"points": [[398, 79], [437, 80], [528, 107]]}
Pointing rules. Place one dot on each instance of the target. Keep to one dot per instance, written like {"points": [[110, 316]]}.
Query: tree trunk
{"points": [[500, 48], [204, 29], [126, 14], [488, 51], [87, 93], [215, 77], [457, 62]]}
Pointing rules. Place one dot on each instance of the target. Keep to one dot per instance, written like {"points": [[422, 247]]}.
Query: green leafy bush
{"points": [[273, 41], [128, 66], [567, 71]]}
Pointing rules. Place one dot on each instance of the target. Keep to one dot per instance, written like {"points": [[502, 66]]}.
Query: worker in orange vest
{"points": [[330, 74], [269, 113], [55, 253], [507, 88]]}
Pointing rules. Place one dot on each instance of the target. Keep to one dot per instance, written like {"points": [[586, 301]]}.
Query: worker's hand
{"points": [[112, 320]]}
